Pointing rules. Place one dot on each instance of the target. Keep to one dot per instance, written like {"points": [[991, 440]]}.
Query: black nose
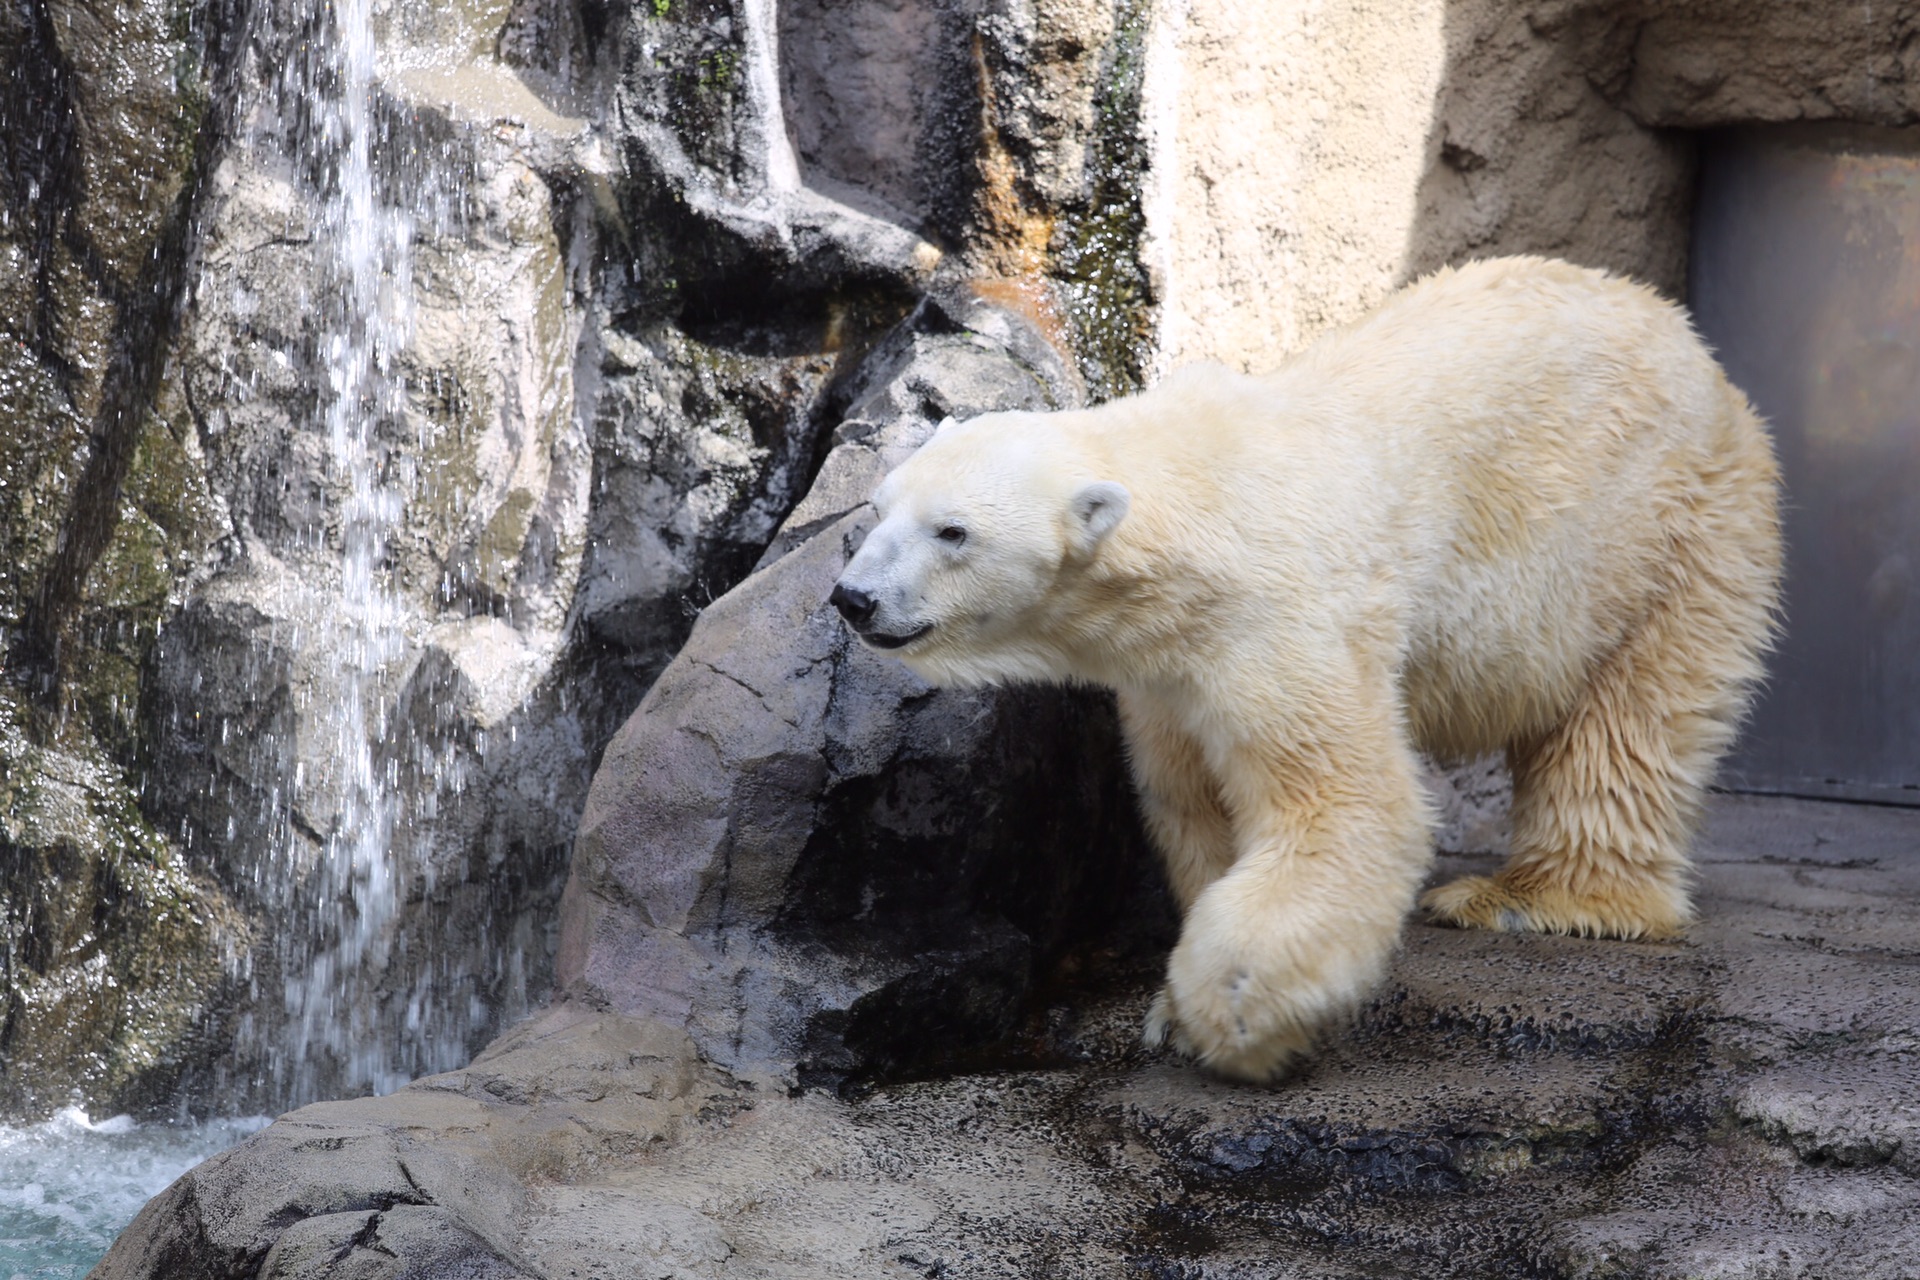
{"points": [[855, 605]]}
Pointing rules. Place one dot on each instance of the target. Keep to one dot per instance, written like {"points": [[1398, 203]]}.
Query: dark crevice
{"points": [[1022, 869], [38, 127], [144, 331], [366, 1237]]}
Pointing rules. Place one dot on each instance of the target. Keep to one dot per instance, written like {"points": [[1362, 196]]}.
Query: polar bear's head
{"points": [[981, 535]]}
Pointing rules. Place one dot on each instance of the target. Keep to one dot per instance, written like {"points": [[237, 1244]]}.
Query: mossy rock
{"points": [[115, 955], [1096, 245]]}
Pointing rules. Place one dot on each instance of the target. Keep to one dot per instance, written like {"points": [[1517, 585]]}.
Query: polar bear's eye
{"points": [[951, 534]]}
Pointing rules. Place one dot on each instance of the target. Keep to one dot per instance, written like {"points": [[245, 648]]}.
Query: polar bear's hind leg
{"points": [[1605, 803]]}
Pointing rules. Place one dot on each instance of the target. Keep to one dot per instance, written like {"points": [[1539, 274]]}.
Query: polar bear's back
{"points": [[1581, 456], [1512, 460]]}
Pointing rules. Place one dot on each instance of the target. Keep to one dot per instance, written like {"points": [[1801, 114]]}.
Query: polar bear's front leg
{"points": [[1178, 796], [1334, 844]]}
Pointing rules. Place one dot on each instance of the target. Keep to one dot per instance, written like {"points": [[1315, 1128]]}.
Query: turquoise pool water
{"points": [[69, 1184]]}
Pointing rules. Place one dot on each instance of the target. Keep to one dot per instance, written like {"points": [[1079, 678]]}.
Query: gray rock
{"points": [[701, 450], [1729, 1105], [1473, 801], [877, 97], [477, 443], [817, 863], [1051, 57], [405, 1242], [432, 1179]]}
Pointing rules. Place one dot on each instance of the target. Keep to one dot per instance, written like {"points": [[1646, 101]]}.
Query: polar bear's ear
{"points": [[944, 424], [1098, 509]]}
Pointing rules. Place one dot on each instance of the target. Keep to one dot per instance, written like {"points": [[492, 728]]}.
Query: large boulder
{"points": [[811, 859]]}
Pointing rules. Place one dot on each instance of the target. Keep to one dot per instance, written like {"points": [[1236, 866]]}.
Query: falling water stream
{"points": [[366, 279], [68, 1184]]}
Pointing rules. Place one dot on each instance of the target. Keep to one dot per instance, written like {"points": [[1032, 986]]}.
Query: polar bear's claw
{"points": [[1480, 902], [1157, 1029]]}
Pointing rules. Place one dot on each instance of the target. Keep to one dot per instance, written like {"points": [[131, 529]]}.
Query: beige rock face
{"points": [[1527, 155], [1289, 143], [1309, 158], [1314, 158]]}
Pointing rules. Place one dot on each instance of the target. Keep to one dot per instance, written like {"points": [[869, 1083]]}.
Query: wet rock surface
{"points": [[116, 951], [1735, 1103], [614, 342]]}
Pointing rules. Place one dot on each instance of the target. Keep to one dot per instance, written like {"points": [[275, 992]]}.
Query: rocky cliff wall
{"points": [[115, 949], [610, 320], [651, 251]]}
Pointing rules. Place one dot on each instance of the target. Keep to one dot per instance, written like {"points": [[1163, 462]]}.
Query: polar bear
{"points": [[1519, 507]]}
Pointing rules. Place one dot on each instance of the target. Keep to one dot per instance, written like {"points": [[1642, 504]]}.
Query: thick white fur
{"points": [[1518, 507]]}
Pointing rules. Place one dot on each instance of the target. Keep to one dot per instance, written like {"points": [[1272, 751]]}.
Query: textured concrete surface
{"points": [[1736, 1103]]}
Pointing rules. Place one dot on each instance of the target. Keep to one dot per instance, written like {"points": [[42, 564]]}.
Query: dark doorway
{"points": [[1805, 278]]}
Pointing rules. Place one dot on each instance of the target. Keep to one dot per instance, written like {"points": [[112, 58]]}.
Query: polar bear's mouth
{"points": [[881, 640]]}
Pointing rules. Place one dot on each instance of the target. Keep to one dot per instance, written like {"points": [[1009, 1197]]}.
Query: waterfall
{"points": [[780, 168], [363, 267]]}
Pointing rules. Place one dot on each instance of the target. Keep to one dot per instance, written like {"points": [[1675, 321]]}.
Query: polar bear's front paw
{"points": [[1225, 1031], [1261, 972]]}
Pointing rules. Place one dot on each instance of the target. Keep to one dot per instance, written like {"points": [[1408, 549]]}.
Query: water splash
{"points": [[70, 1183]]}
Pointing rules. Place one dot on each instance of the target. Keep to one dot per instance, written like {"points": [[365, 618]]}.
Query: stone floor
{"points": [[1743, 1103]]}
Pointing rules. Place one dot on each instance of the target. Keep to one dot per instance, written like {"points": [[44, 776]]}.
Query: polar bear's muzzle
{"points": [[858, 608], [881, 640]]}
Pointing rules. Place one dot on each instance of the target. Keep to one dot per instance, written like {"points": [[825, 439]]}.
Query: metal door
{"points": [[1806, 279]]}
